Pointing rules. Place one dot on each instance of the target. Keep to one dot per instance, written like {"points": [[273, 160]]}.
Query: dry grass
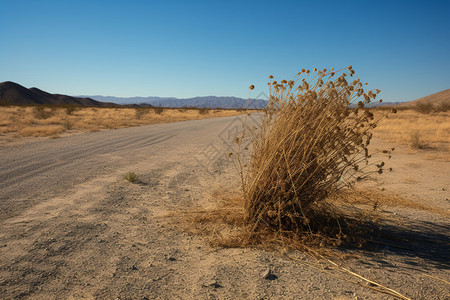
{"points": [[311, 144], [378, 200], [18, 122], [418, 130]]}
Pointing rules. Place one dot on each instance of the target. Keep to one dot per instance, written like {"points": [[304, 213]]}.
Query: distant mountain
{"points": [[201, 102], [436, 99], [377, 104], [130, 100], [14, 94]]}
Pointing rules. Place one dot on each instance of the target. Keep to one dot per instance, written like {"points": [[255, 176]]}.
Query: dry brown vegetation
{"points": [[17, 122], [310, 146], [429, 131]]}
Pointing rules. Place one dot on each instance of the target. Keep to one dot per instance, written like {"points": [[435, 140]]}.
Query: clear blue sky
{"points": [[199, 48]]}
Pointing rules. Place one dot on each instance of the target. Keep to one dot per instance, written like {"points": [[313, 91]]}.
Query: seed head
{"points": [[270, 76], [251, 87]]}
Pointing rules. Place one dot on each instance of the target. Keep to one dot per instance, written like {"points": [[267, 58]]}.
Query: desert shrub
{"points": [[70, 110], [415, 140], [203, 111], [424, 108], [141, 111], [67, 125], [443, 107], [158, 110], [130, 176], [40, 112], [312, 142]]}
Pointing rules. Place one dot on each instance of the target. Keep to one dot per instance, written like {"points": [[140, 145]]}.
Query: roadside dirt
{"points": [[101, 237]]}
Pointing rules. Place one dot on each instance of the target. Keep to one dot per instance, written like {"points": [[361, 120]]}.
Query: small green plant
{"points": [[415, 140], [130, 176]]}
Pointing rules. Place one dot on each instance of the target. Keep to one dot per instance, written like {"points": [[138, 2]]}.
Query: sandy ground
{"points": [[72, 228]]}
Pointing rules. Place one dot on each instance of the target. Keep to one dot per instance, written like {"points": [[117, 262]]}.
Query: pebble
{"points": [[268, 274], [213, 284]]}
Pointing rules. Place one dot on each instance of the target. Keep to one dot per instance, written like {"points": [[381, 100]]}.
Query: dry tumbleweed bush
{"points": [[312, 142]]}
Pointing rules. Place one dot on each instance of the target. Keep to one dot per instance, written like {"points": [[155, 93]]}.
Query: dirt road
{"points": [[72, 228]]}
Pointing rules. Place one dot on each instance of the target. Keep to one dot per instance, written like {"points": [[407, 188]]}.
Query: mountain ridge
{"points": [[12, 93], [227, 102]]}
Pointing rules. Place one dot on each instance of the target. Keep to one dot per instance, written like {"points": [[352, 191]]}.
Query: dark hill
{"points": [[12, 93]]}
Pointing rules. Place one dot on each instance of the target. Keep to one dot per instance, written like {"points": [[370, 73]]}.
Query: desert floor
{"points": [[72, 228]]}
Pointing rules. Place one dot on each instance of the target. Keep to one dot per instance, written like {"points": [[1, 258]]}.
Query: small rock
{"points": [[268, 274], [443, 189], [213, 283], [170, 257]]}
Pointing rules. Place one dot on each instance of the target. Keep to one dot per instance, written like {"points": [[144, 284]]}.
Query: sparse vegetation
{"points": [[433, 130], [141, 111], [131, 177], [424, 108], [203, 111], [415, 140], [67, 125], [19, 121], [70, 110], [443, 107], [41, 112], [158, 110], [310, 145]]}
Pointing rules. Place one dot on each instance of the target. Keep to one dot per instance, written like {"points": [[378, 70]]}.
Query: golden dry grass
{"points": [[311, 144], [18, 122], [424, 131], [376, 199]]}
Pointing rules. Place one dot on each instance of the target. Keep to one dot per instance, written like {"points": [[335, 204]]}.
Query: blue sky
{"points": [[199, 48]]}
